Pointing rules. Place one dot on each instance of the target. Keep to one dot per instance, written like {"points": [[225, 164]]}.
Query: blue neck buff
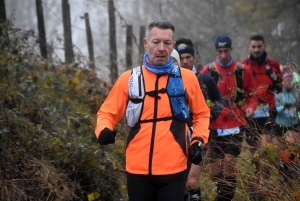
{"points": [[159, 70], [226, 65]]}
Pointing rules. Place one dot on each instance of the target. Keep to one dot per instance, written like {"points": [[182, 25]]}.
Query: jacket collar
{"points": [[262, 59]]}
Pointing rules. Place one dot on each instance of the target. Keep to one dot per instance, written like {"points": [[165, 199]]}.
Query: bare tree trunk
{"points": [[112, 42], [160, 4], [129, 47], [2, 15], [89, 40], [141, 47], [41, 28], [69, 55]]}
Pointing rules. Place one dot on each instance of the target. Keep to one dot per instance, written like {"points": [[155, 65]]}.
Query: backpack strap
{"points": [[179, 106], [136, 93], [240, 92], [239, 76], [213, 71], [136, 76], [202, 85]]}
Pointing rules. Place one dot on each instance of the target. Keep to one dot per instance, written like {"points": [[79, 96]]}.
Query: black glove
{"points": [[107, 136], [195, 153], [273, 113]]}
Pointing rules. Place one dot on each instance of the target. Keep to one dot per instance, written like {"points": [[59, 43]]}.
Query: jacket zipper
{"points": [[153, 127]]}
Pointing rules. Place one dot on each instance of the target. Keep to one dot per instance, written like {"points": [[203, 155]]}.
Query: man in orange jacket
{"points": [[237, 87], [157, 148]]}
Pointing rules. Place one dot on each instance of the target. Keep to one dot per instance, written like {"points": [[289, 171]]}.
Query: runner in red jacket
{"points": [[267, 76], [227, 130]]}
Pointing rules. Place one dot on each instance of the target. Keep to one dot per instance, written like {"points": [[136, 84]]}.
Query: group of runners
{"points": [[177, 114]]}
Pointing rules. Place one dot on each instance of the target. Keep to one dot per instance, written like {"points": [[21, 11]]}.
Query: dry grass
{"points": [[277, 188]]}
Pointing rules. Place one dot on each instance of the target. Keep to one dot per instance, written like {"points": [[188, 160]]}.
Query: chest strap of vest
{"points": [[155, 120], [155, 93], [238, 76]]}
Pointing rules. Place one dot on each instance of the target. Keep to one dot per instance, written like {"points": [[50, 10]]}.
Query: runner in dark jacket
{"points": [[214, 100]]}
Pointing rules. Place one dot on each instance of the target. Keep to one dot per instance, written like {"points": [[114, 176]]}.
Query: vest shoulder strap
{"points": [[136, 84], [213, 72], [137, 69], [240, 92], [202, 85], [238, 76], [175, 72]]}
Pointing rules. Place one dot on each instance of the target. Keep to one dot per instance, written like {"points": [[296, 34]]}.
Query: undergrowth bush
{"points": [[281, 186], [48, 149]]}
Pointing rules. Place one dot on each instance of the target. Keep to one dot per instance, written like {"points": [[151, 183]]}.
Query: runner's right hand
{"points": [[107, 136]]}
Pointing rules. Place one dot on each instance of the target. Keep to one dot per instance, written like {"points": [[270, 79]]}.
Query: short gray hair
{"points": [[161, 24]]}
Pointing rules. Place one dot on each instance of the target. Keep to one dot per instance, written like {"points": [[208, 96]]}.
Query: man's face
{"points": [[159, 46], [256, 48], [186, 61], [224, 55]]}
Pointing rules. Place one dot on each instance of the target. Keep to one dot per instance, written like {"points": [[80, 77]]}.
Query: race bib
{"points": [[262, 110], [290, 113], [228, 131]]}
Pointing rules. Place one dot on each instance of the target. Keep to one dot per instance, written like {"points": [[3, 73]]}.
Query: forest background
{"points": [[201, 21]]}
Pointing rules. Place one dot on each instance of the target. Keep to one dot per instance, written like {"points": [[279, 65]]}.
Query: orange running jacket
{"points": [[156, 147]]}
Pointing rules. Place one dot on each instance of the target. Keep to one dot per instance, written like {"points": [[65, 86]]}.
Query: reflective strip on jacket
{"points": [[156, 147]]}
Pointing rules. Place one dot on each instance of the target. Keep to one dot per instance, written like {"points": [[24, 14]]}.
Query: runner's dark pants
{"points": [[156, 187]]}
